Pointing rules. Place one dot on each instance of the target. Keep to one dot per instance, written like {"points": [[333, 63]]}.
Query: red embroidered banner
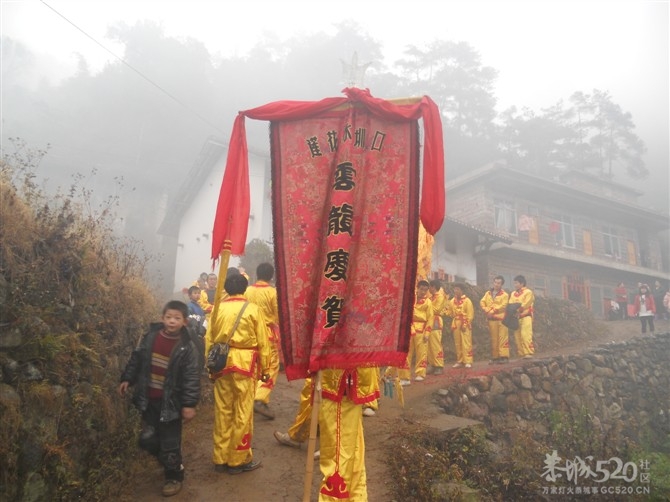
{"points": [[346, 212], [346, 216]]}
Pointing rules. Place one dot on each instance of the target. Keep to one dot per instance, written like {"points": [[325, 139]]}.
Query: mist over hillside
{"points": [[133, 130]]}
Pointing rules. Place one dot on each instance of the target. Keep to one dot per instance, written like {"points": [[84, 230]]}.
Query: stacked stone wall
{"points": [[620, 385]]}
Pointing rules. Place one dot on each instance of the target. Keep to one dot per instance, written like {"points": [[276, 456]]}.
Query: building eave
{"points": [[492, 236], [210, 154], [570, 256], [513, 182]]}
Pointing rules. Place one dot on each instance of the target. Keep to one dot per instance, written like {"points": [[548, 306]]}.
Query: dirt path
{"points": [[281, 478]]}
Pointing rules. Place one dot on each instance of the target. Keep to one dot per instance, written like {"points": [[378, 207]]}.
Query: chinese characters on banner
{"points": [[346, 208], [346, 202]]}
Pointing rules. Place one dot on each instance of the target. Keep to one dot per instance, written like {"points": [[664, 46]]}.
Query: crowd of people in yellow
{"points": [[165, 371], [504, 312]]}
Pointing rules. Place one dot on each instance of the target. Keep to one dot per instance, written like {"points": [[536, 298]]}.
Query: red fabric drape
{"points": [[232, 213]]}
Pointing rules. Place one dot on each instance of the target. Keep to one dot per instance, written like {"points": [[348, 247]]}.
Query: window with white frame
{"points": [[556, 288], [505, 216], [611, 242], [566, 231]]}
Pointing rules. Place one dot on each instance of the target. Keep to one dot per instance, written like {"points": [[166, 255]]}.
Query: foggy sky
{"points": [[544, 50]]}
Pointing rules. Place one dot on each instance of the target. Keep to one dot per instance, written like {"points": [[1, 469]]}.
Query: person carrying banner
{"points": [[422, 323], [493, 303], [298, 432], [523, 336], [438, 299], [341, 441], [462, 313], [235, 385], [358, 230], [263, 294]]}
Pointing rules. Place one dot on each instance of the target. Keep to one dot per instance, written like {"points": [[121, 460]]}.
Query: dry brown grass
{"points": [[77, 293]]}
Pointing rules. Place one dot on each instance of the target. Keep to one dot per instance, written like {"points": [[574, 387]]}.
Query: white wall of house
{"points": [[195, 230], [456, 258]]}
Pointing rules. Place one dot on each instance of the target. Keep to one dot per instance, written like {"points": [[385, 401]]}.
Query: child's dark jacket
{"points": [[181, 388]]}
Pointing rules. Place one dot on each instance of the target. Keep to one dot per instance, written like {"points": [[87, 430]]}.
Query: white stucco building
{"points": [[189, 219]]}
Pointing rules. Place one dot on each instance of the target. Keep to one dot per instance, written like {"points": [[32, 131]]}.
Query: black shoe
{"points": [[250, 466], [503, 360], [220, 467]]}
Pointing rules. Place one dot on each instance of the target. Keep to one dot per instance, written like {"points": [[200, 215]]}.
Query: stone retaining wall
{"points": [[619, 385]]}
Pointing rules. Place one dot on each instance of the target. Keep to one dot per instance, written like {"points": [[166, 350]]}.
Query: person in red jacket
{"points": [[645, 308]]}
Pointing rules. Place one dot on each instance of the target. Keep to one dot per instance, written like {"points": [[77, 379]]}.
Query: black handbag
{"points": [[511, 319], [217, 357]]}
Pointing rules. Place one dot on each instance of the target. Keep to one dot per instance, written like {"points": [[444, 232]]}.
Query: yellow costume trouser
{"points": [[499, 339], [523, 337], [463, 343], [391, 374], [233, 419], [299, 431], [342, 447], [418, 349], [374, 404], [263, 389], [435, 351]]}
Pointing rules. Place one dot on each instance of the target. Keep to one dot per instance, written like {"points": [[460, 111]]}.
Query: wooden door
{"points": [[632, 254], [588, 245], [534, 232], [577, 289]]}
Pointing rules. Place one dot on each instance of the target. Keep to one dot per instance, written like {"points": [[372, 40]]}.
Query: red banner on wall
{"points": [[346, 210]]}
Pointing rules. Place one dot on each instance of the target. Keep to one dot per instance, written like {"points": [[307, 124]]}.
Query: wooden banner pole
{"points": [[224, 259]]}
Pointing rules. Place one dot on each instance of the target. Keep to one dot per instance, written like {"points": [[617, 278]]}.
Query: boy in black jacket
{"points": [[164, 370]]}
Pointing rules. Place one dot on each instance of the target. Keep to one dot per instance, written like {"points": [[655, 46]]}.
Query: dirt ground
{"points": [[282, 475]]}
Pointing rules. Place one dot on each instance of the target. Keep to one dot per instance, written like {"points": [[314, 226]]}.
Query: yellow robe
{"points": [[424, 253], [435, 351], [341, 440], [204, 302], [422, 322], [299, 430], [523, 337], [235, 385], [494, 309], [462, 313], [265, 296]]}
